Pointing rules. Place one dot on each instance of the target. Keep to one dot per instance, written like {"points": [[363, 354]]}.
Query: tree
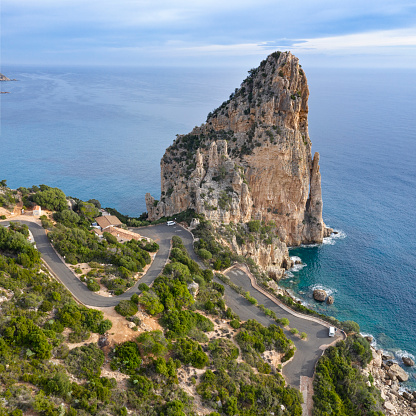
{"points": [[50, 198], [150, 301], [153, 342], [204, 254], [126, 357], [126, 308]]}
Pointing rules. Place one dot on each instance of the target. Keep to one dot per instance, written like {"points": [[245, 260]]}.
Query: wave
{"points": [[336, 235], [297, 299], [288, 274], [373, 343], [297, 267], [328, 290], [401, 353]]}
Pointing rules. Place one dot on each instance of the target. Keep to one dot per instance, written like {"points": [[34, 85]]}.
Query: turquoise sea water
{"points": [[100, 133]]}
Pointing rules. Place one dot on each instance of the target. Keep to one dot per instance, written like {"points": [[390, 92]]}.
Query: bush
{"points": [[288, 355], [50, 198], [126, 308], [126, 358], [339, 385], [104, 326], [93, 285], [294, 331], [254, 226], [85, 361], [46, 306], [351, 327], [235, 323], [111, 239], [151, 302], [143, 287], [153, 342], [284, 321], [190, 352], [135, 298], [204, 254]]}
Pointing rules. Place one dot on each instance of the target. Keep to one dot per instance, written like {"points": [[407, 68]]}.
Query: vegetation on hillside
{"points": [[40, 374], [339, 387]]}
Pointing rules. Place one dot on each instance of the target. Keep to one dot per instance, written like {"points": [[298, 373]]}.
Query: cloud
{"points": [[359, 42]]}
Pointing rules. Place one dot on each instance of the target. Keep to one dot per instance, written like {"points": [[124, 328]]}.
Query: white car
{"points": [[331, 331], [171, 223]]}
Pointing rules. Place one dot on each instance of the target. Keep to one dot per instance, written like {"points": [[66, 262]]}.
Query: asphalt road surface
{"points": [[308, 351]]}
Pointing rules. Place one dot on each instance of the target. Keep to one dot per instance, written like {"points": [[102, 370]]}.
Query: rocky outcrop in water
{"points": [[251, 159], [4, 78]]}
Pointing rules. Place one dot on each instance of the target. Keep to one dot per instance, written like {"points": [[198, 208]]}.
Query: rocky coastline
{"points": [[387, 376]]}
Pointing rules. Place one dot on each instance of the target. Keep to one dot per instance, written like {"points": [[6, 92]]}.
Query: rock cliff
{"points": [[251, 159], [3, 78]]}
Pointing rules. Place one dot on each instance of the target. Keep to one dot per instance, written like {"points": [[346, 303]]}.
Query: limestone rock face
{"points": [[251, 159]]}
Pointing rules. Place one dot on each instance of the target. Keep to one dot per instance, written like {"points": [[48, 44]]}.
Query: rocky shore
{"points": [[387, 376]]}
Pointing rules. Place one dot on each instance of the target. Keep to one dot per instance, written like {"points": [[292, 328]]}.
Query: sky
{"points": [[340, 33]]}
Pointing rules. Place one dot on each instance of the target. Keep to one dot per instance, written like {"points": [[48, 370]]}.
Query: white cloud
{"points": [[358, 42]]}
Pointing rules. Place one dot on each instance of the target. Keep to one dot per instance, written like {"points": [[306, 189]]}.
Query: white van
{"points": [[332, 331], [171, 223]]}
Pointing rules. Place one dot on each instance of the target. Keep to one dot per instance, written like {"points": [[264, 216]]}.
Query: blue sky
{"points": [[350, 33]]}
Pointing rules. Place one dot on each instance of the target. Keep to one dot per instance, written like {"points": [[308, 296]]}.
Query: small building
{"points": [[37, 210], [98, 233], [108, 221]]}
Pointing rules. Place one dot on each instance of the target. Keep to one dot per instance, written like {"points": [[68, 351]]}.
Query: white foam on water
{"points": [[288, 274], [336, 235], [328, 290], [297, 267], [401, 353], [373, 342]]}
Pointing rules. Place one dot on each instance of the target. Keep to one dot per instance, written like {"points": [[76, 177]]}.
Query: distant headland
{"points": [[4, 78]]}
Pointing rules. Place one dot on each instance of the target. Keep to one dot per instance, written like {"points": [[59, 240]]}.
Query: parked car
{"points": [[171, 223], [332, 331]]}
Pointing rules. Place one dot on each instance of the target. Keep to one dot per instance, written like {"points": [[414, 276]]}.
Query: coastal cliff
{"points": [[251, 159], [4, 78]]}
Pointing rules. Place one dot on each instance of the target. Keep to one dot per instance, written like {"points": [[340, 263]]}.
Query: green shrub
{"points": [[153, 342], [85, 361], [235, 323], [151, 303], [126, 357], [126, 308], [288, 355], [135, 298], [190, 352], [104, 326], [284, 321], [143, 287], [204, 254], [351, 327], [46, 306], [339, 385], [93, 285]]}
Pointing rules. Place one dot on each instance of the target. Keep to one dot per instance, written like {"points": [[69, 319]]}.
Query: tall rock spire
{"points": [[251, 159]]}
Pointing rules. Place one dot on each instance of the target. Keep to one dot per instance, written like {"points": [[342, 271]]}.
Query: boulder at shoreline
{"points": [[407, 361], [319, 295]]}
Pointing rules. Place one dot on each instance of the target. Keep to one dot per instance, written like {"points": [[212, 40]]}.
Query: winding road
{"points": [[300, 367]]}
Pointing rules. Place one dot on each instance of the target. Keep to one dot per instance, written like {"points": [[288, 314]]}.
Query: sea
{"points": [[100, 132]]}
